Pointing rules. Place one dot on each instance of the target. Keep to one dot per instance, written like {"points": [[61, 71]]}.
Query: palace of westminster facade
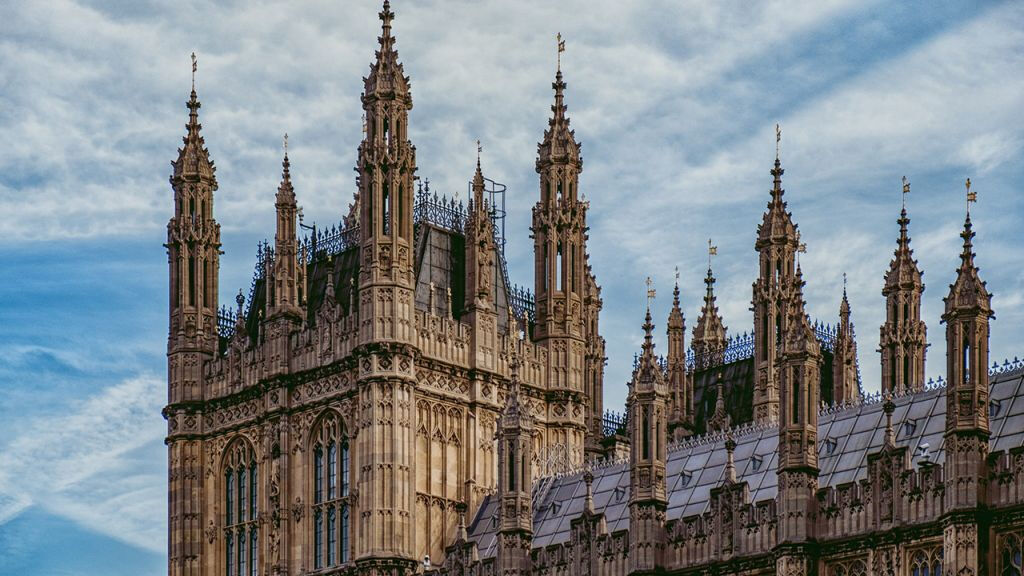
{"points": [[389, 404]]}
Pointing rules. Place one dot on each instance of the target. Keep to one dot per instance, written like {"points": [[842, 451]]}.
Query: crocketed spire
{"points": [[648, 372], [777, 223], [675, 316], [387, 77], [559, 145], [801, 337], [968, 291], [903, 270], [285, 191], [193, 163], [709, 332]]}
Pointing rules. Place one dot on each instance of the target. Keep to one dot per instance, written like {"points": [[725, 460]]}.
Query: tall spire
{"points": [[679, 387], [285, 192], [559, 145], [777, 172], [387, 77], [709, 333], [193, 161], [845, 385], [903, 336]]}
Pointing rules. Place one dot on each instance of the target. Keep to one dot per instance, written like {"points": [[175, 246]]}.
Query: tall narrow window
{"points": [[906, 372], [892, 371], [318, 540], [229, 496], [229, 554], [242, 557], [560, 196], [764, 336], [206, 279], [546, 271], [645, 434], [242, 498], [386, 206], [191, 279], [387, 131], [241, 494], [796, 396], [253, 483], [332, 501], [401, 212], [511, 466], [344, 469], [558, 268], [332, 471], [967, 360], [344, 534], [906, 314], [332, 536], [572, 267], [254, 557], [318, 475]]}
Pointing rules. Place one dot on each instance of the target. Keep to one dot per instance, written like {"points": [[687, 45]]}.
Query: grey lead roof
{"points": [[845, 438]]}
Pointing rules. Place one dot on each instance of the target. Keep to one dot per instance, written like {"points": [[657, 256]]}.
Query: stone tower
{"points": [[285, 279], [560, 235], [903, 339], [967, 314], [193, 255], [680, 391], [648, 497], [515, 481], [845, 387], [776, 245], [480, 306], [387, 333], [709, 334], [799, 385]]}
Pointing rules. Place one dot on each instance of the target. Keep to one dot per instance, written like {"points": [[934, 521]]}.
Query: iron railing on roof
{"points": [[227, 319], [522, 301], [614, 423]]}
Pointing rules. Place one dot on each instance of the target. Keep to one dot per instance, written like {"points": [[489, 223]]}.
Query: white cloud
{"points": [[100, 465]]}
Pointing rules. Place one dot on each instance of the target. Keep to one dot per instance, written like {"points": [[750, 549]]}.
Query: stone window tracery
{"points": [[1010, 562], [855, 567], [927, 562], [241, 511], [331, 507]]}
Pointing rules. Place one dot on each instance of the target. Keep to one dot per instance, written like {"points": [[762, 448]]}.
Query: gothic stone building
{"points": [[386, 402]]}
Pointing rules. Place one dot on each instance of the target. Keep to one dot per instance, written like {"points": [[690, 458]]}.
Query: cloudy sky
{"points": [[675, 103]]}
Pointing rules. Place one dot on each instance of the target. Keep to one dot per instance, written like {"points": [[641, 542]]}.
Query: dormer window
{"points": [[994, 407], [756, 462], [830, 446], [909, 427]]}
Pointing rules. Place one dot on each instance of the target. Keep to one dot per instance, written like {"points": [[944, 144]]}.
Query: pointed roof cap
{"points": [[968, 292], [904, 272], [675, 316], [285, 192], [559, 145], [387, 79], [710, 327], [193, 163], [777, 224]]}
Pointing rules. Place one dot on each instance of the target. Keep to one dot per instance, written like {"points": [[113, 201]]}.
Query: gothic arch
{"points": [[328, 486], [239, 496]]}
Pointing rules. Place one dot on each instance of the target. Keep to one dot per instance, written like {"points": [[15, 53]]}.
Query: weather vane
{"points": [[844, 283], [972, 196], [906, 190], [677, 275], [194, 68], [285, 143], [651, 292], [561, 48], [712, 251], [479, 150], [778, 139]]}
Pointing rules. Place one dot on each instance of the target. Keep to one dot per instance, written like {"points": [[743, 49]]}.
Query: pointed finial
{"points": [[286, 144], [972, 196], [194, 68], [240, 300], [675, 291], [651, 292], [730, 465], [778, 140], [561, 48], [844, 285], [906, 190]]}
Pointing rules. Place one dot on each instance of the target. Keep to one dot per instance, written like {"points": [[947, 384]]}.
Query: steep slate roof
{"points": [[845, 438]]}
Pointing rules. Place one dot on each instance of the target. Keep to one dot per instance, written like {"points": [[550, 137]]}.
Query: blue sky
{"points": [[675, 103]]}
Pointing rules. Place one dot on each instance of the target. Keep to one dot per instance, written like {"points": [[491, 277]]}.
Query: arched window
{"points": [[967, 360], [1010, 561], [796, 395], [926, 562], [330, 493], [241, 495]]}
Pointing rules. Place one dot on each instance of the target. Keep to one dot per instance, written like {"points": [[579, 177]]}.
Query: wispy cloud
{"points": [[84, 465]]}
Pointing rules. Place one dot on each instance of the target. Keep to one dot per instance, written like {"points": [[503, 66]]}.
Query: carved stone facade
{"points": [[388, 404]]}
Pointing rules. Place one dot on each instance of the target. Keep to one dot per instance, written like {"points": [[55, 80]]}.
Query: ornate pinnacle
{"points": [[777, 172], [889, 406], [730, 465]]}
